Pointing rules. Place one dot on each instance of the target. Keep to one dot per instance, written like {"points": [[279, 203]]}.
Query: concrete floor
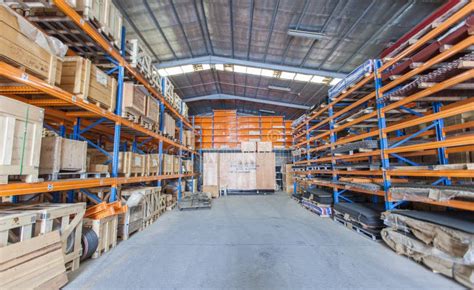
{"points": [[252, 242]]}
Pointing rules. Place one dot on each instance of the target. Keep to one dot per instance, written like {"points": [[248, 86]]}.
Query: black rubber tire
{"points": [[89, 242]]}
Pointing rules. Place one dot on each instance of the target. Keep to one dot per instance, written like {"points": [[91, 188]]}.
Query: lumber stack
{"points": [[33, 263]]}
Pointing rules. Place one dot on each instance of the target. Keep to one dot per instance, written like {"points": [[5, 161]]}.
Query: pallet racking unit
{"points": [[416, 105], [67, 113], [225, 130]]}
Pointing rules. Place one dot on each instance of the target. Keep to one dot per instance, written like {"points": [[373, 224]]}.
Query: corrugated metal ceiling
{"points": [[257, 30]]}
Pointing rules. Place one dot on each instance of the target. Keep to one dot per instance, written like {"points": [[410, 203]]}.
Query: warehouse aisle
{"points": [[252, 242]]}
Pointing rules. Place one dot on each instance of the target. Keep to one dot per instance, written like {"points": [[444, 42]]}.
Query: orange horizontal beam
{"points": [[62, 185]]}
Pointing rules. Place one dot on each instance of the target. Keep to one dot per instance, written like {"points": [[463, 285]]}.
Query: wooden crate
{"points": [[131, 164], [35, 263], [106, 231], [168, 164], [264, 147], [169, 126], [130, 222], [265, 171], [134, 101], [152, 164], [21, 127], [176, 164], [211, 173], [152, 115], [60, 154], [114, 22], [16, 227], [18, 47], [248, 146], [148, 197], [66, 218], [82, 78], [188, 166], [237, 171]]}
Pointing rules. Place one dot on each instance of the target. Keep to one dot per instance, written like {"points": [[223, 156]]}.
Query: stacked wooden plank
{"points": [[83, 79], [49, 217], [20, 141], [19, 47], [34, 263]]}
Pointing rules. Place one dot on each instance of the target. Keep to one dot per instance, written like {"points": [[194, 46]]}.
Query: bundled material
{"points": [[434, 192], [443, 241], [321, 196], [36, 263], [352, 78], [364, 218], [20, 135]]}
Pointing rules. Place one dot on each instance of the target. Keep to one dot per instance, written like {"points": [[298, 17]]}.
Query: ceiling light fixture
{"points": [[277, 88], [306, 34], [287, 75]]}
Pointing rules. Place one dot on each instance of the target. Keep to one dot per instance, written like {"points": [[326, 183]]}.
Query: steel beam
{"points": [[247, 99], [211, 59]]}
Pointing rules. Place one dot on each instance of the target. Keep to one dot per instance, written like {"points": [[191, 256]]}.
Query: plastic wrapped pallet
{"points": [[22, 44], [21, 127], [80, 77]]}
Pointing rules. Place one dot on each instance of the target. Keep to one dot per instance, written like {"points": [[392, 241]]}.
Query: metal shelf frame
{"points": [[103, 122], [388, 122]]}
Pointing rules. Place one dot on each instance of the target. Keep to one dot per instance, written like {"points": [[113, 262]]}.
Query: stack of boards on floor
{"points": [[444, 241]]}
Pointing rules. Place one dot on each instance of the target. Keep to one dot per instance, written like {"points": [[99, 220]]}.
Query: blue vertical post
{"points": [[180, 189], [62, 133], [333, 139], [75, 136], [160, 144], [440, 136], [382, 135], [118, 126], [192, 158]]}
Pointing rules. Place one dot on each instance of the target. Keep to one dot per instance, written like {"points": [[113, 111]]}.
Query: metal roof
{"points": [[257, 31]]}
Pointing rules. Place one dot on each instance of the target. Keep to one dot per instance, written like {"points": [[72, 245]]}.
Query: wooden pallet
{"points": [[66, 218], [357, 229], [131, 116]]}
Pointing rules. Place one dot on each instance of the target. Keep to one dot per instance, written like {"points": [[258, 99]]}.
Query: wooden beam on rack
{"points": [[460, 173]]}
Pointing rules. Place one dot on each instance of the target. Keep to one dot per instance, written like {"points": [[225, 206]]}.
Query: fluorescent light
{"points": [[206, 66], [334, 81], [267, 73], [254, 71], [318, 79], [187, 68], [162, 73], [228, 67], [266, 111], [176, 70], [306, 34], [240, 69], [219, 66], [303, 78], [285, 89], [287, 75]]}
